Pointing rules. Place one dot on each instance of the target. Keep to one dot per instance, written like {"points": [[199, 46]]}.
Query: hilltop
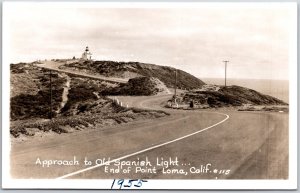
{"points": [[129, 70]]}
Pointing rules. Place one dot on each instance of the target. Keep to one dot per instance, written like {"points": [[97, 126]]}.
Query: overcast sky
{"points": [[254, 39]]}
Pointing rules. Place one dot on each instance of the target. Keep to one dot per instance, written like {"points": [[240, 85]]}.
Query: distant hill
{"points": [[230, 96], [131, 70]]}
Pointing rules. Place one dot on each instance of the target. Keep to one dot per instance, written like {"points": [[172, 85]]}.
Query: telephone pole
{"points": [[175, 81], [225, 61], [51, 94]]}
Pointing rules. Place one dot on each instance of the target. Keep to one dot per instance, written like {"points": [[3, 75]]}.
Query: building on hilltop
{"points": [[86, 55]]}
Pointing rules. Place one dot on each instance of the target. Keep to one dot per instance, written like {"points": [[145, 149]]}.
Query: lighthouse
{"points": [[86, 55]]}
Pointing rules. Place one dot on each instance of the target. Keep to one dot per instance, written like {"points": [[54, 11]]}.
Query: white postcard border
{"points": [[291, 183]]}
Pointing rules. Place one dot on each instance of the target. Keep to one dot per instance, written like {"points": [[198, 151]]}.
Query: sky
{"points": [[196, 39]]}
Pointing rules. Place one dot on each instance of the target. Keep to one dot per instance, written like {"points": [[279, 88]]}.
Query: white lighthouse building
{"points": [[86, 55]]}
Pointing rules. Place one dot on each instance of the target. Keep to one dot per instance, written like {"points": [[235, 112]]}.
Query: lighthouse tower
{"points": [[86, 55]]}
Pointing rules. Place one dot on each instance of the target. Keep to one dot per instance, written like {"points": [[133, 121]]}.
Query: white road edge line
{"points": [[144, 150]]}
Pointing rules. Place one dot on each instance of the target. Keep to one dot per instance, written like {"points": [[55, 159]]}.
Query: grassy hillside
{"points": [[30, 92], [135, 69], [84, 106]]}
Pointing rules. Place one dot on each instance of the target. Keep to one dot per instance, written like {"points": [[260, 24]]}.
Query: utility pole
{"points": [[51, 94], [225, 61], [175, 81]]}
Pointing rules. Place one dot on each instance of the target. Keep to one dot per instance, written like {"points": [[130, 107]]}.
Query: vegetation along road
{"points": [[246, 145]]}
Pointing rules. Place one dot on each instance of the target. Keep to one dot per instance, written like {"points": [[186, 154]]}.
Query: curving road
{"points": [[249, 145]]}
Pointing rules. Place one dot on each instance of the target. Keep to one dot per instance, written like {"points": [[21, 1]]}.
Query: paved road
{"points": [[246, 146]]}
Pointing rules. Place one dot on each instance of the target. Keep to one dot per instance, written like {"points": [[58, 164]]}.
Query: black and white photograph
{"points": [[149, 95]]}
